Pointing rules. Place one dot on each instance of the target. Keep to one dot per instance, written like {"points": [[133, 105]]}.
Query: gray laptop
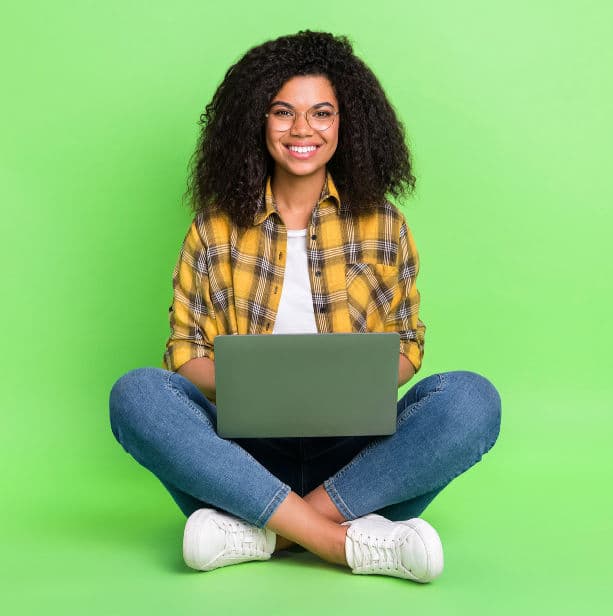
{"points": [[288, 385]]}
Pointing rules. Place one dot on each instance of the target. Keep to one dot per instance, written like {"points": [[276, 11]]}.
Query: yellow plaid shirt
{"points": [[228, 280]]}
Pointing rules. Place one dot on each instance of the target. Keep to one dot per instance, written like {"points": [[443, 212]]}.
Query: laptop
{"points": [[301, 385]]}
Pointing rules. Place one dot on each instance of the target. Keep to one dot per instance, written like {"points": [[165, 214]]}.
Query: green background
{"points": [[507, 107]]}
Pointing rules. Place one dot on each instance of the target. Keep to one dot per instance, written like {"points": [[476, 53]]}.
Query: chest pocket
{"points": [[370, 289]]}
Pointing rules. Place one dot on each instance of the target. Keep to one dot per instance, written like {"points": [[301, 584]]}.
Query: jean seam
{"points": [[326, 451], [279, 450], [337, 499], [358, 457], [412, 409], [470, 465], [277, 499], [170, 386]]}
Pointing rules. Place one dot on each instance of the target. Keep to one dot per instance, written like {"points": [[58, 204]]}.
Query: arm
{"points": [[403, 316], [189, 350], [201, 372], [406, 370]]}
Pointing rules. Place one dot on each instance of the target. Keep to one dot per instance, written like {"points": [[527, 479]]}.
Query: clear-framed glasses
{"points": [[318, 117]]}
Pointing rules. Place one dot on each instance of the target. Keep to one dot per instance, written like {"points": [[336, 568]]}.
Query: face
{"points": [[300, 94]]}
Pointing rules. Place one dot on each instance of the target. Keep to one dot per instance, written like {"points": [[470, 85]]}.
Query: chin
{"points": [[305, 172], [302, 170]]}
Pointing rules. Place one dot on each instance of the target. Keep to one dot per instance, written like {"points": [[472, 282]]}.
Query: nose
{"points": [[300, 125]]}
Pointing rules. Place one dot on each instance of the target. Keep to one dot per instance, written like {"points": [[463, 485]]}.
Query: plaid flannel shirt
{"points": [[228, 280]]}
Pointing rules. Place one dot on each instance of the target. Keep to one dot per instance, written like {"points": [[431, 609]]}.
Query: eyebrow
{"points": [[324, 104]]}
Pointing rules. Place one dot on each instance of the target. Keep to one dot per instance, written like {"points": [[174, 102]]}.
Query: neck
{"points": [[297, 193]]}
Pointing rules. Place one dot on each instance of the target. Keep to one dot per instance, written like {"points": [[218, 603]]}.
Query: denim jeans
{"points": [[445, 423]]}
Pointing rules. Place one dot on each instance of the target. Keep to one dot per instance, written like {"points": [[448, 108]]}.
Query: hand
{"points": [[406, 370]]}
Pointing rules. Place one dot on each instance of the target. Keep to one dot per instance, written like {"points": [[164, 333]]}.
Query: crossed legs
{"points": [[446, 422], [313, 522]]}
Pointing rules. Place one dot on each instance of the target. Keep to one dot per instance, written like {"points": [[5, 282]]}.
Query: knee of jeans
{"points": [[479, 404], [129, 393]]}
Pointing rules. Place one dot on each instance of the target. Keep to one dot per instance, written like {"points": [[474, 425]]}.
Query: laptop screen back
{"points": [[288, 385]]}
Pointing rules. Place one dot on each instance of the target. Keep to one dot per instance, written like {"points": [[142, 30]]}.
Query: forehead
{"points": [[306, 90]]}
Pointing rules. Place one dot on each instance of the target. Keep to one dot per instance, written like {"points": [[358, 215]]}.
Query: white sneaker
{"points": [[410, 549], [215, 539]]}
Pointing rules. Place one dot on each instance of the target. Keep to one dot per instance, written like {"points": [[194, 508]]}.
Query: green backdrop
{"points": [[507, 107]]}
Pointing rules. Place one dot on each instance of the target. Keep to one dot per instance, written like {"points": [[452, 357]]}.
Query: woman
{"points": [[293, 233]]}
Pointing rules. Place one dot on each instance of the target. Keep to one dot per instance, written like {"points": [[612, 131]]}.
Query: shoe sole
{"points": [[434, 548]]}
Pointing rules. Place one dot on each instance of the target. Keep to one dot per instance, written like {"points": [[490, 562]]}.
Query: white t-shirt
{"points": [[295, 314]]}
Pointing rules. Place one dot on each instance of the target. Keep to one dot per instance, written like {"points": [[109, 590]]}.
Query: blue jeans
{"points": [[445, 423]]}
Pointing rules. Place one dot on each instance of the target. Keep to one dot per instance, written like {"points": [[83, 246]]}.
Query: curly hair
{"points": [[231, 162]]}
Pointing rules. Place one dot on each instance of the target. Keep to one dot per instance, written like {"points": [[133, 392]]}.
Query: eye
{"points": [[282, 113], [322, 114]]}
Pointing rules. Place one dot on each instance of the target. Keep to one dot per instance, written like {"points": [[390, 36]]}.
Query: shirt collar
{"points": [[266, 206]]}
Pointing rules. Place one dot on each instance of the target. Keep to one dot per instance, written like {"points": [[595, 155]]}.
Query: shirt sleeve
{"points": [[404, 312], [192, 322]]}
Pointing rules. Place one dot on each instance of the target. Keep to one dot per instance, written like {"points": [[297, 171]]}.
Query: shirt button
{"points": [[280, 255], [317, 273], [267, 325], [313, 237], [276, 289], [322, 309]]}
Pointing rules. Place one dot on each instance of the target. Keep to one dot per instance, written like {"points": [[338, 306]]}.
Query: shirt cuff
{"points": [[412, 352], [180, 352]]}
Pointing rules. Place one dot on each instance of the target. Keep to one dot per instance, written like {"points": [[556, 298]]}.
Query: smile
{"points": [[298, 151]]}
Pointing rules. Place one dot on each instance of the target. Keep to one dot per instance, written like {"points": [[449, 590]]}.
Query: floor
{"points": [[526, 531]]}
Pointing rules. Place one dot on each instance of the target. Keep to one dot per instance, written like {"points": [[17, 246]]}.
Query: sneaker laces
{"points": [[243, 538], [371, 551]]}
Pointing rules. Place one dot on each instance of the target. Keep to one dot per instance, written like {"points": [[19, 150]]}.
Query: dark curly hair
{"points": [[231, 162]]}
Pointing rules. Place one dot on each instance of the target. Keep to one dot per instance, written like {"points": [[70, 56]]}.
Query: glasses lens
{"points": [[320, 119], [280, 118]]}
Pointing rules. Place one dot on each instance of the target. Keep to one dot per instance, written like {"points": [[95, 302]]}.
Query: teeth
{"points": [[302, 150]]}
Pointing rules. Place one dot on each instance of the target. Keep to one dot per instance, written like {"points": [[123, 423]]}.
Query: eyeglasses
{"points": [[318, 118]]}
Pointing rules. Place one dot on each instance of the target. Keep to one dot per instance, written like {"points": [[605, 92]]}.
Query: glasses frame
{"points": [[306, 117]]}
